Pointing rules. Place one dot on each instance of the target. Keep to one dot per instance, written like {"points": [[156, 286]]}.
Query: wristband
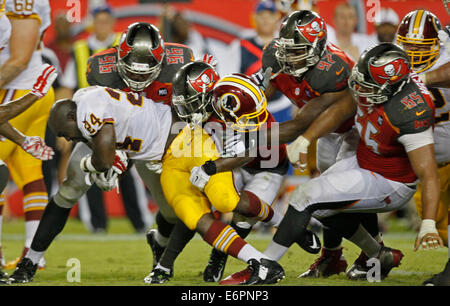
{"points": [[210, 167], [427, 226]]}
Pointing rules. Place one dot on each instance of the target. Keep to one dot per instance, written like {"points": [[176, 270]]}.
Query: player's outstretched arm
{"points": [[328, 121], [437, 78], [8, 131], [40, 88], [23, 41], [424, 165]]}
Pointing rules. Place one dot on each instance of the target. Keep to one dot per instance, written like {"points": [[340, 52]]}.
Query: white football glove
{"points": [[262, 79], [293, 150], [154, 166], [210, 59], [120, 162], [86, 164], [44, 81], [199, 178], [36, 146], [106, 181]]}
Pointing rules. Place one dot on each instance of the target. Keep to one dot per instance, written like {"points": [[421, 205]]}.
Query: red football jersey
{"points": [[330, 74], [409, 111]]}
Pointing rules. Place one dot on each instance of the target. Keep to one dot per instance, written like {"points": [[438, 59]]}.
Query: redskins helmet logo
{"points": [[206, 80], [230, 103]]}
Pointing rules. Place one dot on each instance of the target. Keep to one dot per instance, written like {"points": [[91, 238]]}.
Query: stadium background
{"points": [[217, 21]]}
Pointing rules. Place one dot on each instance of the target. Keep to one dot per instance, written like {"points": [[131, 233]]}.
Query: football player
{"points": [[32, 145], [20, 65], [313, 74], [255, 182], [420, 35], [192, 148], [144, 64], [394, 119]]}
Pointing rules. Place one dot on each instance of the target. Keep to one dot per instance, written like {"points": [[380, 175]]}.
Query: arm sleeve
{"points": [[417, 140]]}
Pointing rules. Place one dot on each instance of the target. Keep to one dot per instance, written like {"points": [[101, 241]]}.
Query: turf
{"points": [[122, 258]]}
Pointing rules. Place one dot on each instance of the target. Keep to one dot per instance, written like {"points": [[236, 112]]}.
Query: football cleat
{"points": [[440, 279], [310, 242], [359, 269], [264, 272], [158, 276], [237, 278], [157, 249], [329, 263], [389, 258], [216, 265], [24, 272]]}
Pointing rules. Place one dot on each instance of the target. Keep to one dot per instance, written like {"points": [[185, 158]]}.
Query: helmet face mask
{"points": [[301, 43], [192, 92], [239, 103], [418, 35], [140, 53]]}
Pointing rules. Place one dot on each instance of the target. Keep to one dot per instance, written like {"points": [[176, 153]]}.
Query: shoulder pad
{"points": [[268, 57], [102, 70], [330, 74], [409, 110], [177, 55]]}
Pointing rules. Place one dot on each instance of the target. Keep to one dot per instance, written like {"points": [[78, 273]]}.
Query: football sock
{"points": [[225, 239], [164, 228], [370, 223], [331, 239], [179, 238], [35, 256], [362, 238], [51, 224], [35, 198], [275, 251], [4, 176], [259, 209]]}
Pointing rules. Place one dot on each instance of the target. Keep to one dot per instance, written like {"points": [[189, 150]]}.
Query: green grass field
{"points": [[121, 258]]}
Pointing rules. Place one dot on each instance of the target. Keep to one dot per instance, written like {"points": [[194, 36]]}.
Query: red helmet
{"points": [[417, 34], [240, 103]]}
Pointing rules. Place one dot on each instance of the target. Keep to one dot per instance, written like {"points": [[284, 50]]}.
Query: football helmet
{"points": [[380, 73], [140, 55], [302, 40], [192, 91], [417, 34], [240, 103]]}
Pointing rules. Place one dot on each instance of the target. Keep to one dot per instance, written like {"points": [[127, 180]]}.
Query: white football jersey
{"points": [[5, 31], [141, 125], [441, 97], [37, 9]]}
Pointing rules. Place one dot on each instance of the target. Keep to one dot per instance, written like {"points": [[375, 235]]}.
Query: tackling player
{"points": [[420, 35], [394, 119], [256, 183]]}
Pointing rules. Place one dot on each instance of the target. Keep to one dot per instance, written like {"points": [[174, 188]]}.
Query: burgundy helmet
{"points": [[240, 103], [417, 34]]}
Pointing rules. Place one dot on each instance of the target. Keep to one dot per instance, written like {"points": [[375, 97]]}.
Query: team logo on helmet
{"points": [[230, 102], [391, 72], [206, 80], [124, 47], [313, 30], [158, 52]]}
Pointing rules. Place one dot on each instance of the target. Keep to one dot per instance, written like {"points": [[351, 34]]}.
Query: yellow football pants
{"points": [[444, 204], [23, 167], [189, 149]]}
